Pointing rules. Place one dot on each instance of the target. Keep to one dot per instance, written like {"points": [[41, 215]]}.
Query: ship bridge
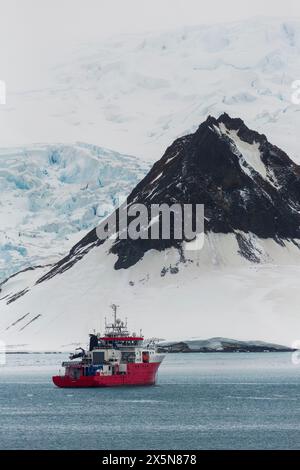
{"points": [[117, 334]]}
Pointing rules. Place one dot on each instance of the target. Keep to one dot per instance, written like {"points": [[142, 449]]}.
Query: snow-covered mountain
{"points": [[137, 93], [242, 284], [52, 194]]}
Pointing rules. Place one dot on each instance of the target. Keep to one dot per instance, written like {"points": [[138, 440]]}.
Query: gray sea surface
{"points": [[201, 401]]}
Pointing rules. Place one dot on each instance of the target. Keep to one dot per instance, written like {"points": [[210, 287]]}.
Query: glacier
{"points": [[52, 194]]}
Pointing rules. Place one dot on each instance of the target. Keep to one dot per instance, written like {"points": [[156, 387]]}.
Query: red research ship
{"points": [[118, 358]]}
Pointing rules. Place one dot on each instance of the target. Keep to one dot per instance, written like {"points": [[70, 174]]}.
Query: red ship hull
{"points": [[137, 374]]}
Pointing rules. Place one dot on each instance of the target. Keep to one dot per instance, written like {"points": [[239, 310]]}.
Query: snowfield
{"points": [[137, 93]]}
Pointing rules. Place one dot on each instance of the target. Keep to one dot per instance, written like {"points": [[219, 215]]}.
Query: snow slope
{"points": [[220, 294], [51, 195], [137, 93]]}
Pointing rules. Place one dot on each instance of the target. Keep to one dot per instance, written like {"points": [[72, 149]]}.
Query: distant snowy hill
{"points": [[219, 345], [137, 93], [243, 283], [51, 195]]}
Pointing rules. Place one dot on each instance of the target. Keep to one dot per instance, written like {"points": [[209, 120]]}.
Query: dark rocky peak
{"points": [[247, 185], [213, 151]]}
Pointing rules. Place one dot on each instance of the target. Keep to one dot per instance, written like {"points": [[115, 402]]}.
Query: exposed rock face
{"points": [[247, 185]]}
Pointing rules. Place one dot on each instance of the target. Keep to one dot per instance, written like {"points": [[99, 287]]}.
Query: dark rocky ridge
{"points": [[207, 168]]}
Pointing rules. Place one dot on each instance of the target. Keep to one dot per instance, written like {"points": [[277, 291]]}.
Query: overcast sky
{"points": [[33, 32]]}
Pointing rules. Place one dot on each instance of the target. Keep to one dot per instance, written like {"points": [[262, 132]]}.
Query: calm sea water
{"points": [[201, 401]]}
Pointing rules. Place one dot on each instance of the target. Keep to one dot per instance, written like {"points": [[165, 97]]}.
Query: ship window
{"points": [[97, 357], [128, 356]]}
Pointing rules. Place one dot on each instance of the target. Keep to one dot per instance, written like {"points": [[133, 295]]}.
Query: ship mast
{"points": [[114, 307]]}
